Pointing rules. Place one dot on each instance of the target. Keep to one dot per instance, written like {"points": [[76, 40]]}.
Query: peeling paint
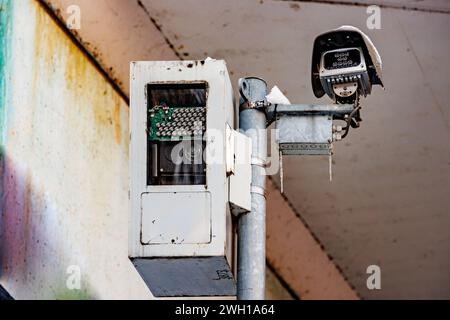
{"points": [[159, 28]]}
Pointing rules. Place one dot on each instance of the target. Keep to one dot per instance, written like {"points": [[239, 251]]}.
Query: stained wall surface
{"points": [[64, 167]]}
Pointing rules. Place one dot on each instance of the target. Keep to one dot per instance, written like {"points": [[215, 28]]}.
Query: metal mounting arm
{"points": [[303, 130]]}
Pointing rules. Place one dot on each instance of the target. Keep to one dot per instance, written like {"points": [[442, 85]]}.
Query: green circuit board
{"points": [[172, 123]]}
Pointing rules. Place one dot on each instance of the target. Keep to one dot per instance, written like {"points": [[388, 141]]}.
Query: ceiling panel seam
{"points": [[282, 282], [159, 28], [362, 4], [56, 16], [303, 221]]}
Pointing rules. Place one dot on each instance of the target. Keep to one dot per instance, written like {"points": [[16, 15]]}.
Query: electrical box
{"points": [[185, 168]]}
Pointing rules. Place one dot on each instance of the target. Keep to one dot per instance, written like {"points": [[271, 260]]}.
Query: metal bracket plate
{"points": [[306, 135]]}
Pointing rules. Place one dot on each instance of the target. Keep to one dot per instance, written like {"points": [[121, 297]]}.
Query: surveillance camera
{"points": [[345, 65]]}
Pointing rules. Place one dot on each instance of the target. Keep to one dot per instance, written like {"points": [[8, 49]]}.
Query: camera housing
{"points": [[345, 65]]}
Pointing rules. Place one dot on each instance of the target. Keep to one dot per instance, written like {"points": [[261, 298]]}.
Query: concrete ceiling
{"points": [[388, 203], [442, 6]]}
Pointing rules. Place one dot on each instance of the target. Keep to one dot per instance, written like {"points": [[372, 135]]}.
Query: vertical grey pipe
{"points": [[252, 226]]}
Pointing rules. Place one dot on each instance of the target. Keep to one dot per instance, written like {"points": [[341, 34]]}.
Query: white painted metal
{"points": [[373, 51], [180, 200], [229, 150], [240, 180], [176, 218]]}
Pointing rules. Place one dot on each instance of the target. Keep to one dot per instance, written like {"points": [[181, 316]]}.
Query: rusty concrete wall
{"points": [[64, 173]]}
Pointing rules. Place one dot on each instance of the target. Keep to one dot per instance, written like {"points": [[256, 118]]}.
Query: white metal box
{"points": [[181, 225]]}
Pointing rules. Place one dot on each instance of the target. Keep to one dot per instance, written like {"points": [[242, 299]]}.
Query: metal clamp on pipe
{"points": [[250, 90]]}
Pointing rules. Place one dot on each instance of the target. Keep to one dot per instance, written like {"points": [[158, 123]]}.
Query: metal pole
{"points": [[252, 226]]}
